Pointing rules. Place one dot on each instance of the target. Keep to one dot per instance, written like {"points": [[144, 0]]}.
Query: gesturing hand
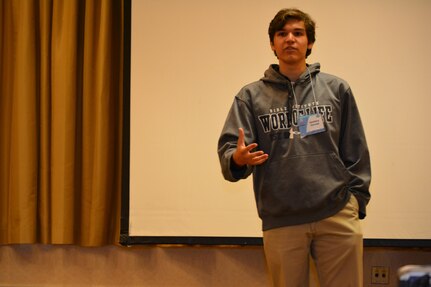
{"points": [[244, 155]]}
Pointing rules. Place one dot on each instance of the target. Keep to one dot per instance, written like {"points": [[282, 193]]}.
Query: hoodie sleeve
{"points": [[354, 152], [239, 116]]}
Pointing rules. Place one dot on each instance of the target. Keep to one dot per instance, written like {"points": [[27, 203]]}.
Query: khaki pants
{"points": [[335, 245]]}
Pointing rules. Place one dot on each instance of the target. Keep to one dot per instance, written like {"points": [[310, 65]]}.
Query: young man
{"points": [[298, 131]]}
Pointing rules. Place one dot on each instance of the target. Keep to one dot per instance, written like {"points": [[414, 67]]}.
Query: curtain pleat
{"points": [[61, 121]]}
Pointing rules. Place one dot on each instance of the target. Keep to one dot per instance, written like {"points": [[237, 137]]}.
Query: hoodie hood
{"points": [[273, 75]]}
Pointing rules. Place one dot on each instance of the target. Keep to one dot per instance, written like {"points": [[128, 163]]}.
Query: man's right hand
{"points": [[244, 155]]}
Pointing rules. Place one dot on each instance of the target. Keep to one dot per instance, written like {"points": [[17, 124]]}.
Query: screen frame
{"points": [[126, 240]]}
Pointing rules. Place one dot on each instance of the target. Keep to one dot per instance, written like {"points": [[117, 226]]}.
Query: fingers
{"points": [[244, 155], [250, 147], [241, 136], [241, 141], [258, 158]]}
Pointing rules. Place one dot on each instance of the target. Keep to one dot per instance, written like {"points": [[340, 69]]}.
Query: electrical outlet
{"points": [[379, 275]]}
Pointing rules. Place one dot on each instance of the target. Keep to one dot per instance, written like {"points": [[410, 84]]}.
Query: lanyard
{"points": [[312, 88], [292, 131]]}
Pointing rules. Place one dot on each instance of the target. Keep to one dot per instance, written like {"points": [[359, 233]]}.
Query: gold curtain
{"points": [[61, 91]]}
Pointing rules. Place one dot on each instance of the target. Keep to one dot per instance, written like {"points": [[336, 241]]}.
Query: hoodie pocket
{"points": [[302, 184]]}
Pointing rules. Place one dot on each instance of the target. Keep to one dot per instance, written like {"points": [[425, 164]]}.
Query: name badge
{"points": [[311, 124]]}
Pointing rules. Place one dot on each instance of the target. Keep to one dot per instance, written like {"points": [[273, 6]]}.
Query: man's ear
{"points": [[310, 46], [273, 49]]}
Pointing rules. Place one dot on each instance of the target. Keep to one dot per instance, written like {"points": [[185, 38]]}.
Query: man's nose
{"points": [[290, 37]]}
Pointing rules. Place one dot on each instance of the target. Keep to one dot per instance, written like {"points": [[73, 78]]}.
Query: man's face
{"points": [[291, 43]]}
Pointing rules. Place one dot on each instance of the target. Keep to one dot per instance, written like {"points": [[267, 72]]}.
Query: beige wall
{"points": [[46, 265]]}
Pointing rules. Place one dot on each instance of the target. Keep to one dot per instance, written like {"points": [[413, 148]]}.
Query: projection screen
{"points": [[188, 59]]}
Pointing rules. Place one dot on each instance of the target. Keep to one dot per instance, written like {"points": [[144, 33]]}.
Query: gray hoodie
{"points": [[305, 179]]}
